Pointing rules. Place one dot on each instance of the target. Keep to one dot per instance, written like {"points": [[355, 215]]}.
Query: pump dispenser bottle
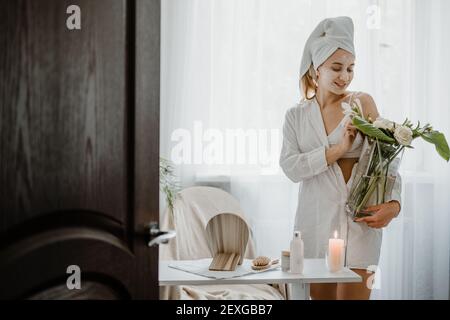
{"points": [[296, 261]]}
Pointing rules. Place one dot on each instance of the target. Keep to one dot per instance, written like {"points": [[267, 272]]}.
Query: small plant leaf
{"points": [[438, 139], [369, 130]]}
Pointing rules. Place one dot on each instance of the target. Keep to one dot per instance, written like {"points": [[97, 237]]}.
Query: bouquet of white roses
{"points": [[384, 143]]}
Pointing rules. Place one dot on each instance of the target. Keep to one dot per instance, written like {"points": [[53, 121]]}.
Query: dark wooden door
{"points": [[79, 148]]}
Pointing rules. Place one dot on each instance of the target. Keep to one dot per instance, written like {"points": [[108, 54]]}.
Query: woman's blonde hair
{"points": [[308, 84]]}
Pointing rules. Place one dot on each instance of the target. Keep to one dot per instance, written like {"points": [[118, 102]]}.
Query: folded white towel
{"points": [[201, 267]]}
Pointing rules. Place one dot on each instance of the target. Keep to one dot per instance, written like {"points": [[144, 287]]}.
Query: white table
{"points": [[314, 271]]}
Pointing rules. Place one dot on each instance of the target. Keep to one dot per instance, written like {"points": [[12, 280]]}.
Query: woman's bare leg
{"points": [[355, 291], [323, 291]]}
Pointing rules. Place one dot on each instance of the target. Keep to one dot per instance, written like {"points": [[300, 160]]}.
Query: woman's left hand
{"points": [[382, 214]]}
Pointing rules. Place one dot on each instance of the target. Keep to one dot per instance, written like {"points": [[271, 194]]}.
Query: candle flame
{"points": [[335, 234]]}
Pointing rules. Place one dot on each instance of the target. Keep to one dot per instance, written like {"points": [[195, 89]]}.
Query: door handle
{"points": [[157, 236]]}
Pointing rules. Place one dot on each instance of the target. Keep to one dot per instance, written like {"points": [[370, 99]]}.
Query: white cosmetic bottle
{"points": [[296, 261]]}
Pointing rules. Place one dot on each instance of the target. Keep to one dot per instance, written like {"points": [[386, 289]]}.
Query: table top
{"points": [[314, 271]]}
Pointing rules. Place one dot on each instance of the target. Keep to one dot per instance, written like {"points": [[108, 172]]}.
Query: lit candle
{"points": [[335, 253]]}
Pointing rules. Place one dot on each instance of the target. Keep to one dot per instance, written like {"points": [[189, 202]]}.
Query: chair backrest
{"points": [[227, 233], [193, 208]]}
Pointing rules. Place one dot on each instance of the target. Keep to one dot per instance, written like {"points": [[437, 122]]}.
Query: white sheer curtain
{"points": [[412, 80], [229, 71]]}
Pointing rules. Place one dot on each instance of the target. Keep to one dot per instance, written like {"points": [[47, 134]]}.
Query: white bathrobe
{"points": [[323, 191]]}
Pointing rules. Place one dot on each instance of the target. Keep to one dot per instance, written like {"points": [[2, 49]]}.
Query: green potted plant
{"points": [[168, 182]]}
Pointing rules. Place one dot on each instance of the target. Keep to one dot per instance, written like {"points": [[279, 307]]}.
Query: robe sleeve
{"points": [[396, 193], [296, 165]]}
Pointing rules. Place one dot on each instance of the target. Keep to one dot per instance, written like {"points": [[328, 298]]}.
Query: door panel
{"points": [[91, 290], [79, 148], [63, 110]]}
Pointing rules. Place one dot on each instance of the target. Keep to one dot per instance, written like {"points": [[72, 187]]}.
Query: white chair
{"points": [[193, 208]]}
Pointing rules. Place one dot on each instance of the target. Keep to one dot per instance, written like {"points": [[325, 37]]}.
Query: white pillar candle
{"points": [[335, 253]]}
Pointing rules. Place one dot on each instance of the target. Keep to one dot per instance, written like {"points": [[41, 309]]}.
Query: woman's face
{"points": [[336, 73]]}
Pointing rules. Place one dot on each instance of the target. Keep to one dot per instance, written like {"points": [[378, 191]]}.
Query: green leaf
{"points": [[369, 130], [438, 139]]}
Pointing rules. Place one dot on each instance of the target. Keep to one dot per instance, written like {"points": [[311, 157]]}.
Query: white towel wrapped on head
{"points": [[329, 35]]}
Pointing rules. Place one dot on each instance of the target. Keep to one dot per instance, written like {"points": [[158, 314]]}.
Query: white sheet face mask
{"points": [[336, 74]]}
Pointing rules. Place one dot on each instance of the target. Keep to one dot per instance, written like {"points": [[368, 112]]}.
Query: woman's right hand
{"points": [[349, 136], [338, 150]]}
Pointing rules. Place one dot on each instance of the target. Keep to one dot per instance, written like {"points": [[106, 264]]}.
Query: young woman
{"points": [[321, 148]]}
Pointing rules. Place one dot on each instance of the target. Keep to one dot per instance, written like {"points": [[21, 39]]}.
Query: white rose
{"points": [[381, 123], [403, 135], [347, 110]]}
